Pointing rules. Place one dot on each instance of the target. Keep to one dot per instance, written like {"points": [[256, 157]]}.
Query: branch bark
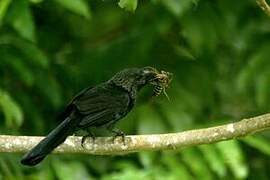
{"points": [[264, 6], [105, 145]]}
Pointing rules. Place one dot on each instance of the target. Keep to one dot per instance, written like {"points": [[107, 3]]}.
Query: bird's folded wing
{"points": [[99, 107]]}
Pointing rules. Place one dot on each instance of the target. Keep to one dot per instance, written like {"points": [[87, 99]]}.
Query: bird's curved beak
{"points": [[150, 74], [150, 70]]}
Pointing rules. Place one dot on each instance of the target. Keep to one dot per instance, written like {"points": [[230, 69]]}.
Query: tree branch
{"points": [[105, 145], [265, 7]]}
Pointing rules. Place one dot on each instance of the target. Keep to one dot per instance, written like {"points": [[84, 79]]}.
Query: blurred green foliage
{"points": [[219, 53]]}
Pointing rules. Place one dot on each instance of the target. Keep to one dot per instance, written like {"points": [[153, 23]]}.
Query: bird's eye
{"points": [[149, 70]]}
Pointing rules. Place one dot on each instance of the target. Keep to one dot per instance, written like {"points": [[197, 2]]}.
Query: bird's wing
{"points": [[100, 106], [70, 106]]}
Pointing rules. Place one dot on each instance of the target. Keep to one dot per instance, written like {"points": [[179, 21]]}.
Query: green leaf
{"points": [[175, 166], [32, 111], [147, 158], [195, 2], [24, 73], [4, 4], [215, 162], [257, 63], [196, 163], [259, 143], [78, 7], [262, 89], [19, 68], [70, 171], [178, 7], [128, 170], [31, 52], [195, 30], [129, 5], [50, 88], [45, 172], [180, 114], [20, 17], [148, 116], [234, 157], [36, 1], [12, 111], [184, 52]]}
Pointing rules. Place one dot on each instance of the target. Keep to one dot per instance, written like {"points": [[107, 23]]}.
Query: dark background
{"points": [[219, 54]]}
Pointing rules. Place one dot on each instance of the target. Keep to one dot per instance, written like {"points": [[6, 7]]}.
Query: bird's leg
{"points": [[117, 132], [88, 135]]}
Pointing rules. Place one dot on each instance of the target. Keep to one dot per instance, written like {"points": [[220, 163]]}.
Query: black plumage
{"points": [[102, 105]]}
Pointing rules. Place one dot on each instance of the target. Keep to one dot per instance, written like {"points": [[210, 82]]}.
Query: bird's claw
{"points": [[87, 136], [120, 133]]}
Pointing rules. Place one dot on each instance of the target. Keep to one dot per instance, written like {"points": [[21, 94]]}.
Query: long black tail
{"points": [[53, 139]]}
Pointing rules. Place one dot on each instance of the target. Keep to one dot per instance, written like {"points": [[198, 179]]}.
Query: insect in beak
{"points": [[161, 82]]}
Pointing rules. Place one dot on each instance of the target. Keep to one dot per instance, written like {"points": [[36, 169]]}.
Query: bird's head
{"points": [[134, 78]]}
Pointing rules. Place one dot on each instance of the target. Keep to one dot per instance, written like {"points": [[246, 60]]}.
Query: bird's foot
{"points": [[89, 135], [117, 133]]}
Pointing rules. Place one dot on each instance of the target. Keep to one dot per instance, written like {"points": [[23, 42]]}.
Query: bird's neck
{"points": [[127, 85]]}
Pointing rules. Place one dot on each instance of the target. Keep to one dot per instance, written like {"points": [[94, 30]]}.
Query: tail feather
{"points": [[49, 143]]}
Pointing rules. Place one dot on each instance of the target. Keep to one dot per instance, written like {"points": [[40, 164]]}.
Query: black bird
{"points": [[102, 105]]}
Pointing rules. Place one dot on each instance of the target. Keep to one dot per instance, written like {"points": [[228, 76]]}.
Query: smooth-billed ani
{"points": [[102, 105]]}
